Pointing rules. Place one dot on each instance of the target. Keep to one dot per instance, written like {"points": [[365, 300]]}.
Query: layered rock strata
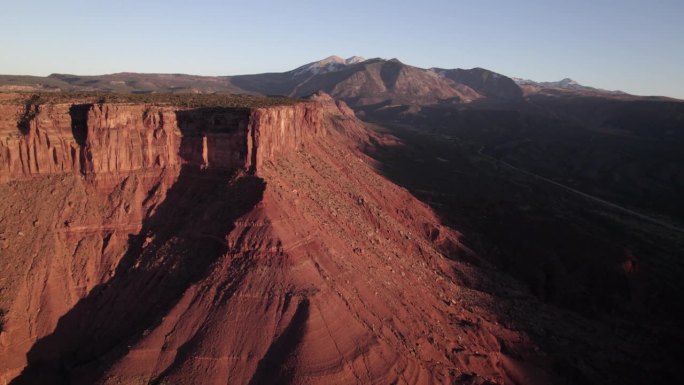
{"points": [[162, 245]]}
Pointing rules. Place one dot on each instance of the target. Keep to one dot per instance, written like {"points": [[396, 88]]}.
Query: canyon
{"points": [[157, 244], [153, 243]]}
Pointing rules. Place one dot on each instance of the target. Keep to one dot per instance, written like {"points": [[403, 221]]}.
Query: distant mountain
{"points": [[136, 82], [357, 80], [329, 64], [485, 82], [377, 81], [284, 83], [360, 82], [565, 85]]}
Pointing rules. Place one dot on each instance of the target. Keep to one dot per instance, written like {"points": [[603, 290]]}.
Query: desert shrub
{"points": [[170, 99]]}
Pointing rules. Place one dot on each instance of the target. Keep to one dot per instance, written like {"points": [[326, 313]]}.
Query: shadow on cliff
{"points": [[29, 113], [555, 244], [176, 247], [551, 240], [276, 366]]}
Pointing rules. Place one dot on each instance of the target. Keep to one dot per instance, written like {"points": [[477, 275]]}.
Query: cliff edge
{"points": [[149, 243]]}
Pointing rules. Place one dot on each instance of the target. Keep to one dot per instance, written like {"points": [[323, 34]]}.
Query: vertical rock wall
{"points": [[104, 141]]}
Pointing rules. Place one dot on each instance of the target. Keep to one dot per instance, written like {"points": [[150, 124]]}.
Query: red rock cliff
{"points": [[112, 140], [80, 181], [132, 253]]}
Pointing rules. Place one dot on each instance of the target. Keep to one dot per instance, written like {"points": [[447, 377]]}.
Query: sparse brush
{"points": [[179, 100]]}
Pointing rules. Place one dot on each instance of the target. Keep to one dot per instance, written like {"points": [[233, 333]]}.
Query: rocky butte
{"points": [[153, 241]]}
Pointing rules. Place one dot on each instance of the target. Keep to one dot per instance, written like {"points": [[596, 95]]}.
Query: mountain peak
{"points": [[339, 60], [567, 82], [354, 60], [329, 64], [331, 59], [563, 83]]}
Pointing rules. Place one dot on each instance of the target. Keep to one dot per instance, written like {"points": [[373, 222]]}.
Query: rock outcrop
{"points": [[110, 140], [155, 244], [81, 180]]}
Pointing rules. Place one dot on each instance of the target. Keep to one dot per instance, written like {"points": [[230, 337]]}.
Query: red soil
{"points": [[287, 260]]}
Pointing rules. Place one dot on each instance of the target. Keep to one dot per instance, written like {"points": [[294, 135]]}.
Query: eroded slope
{"points": [[194, 246]]}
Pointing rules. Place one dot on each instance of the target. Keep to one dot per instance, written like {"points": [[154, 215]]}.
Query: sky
{"points": [[630, 45]]}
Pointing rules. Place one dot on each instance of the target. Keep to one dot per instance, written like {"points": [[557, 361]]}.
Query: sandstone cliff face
{"points": [[79, 180], [46, 146], [288, 130], [112, 140]]}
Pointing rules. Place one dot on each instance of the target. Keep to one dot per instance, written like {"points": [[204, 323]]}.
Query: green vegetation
{"points": [[161, 99]]}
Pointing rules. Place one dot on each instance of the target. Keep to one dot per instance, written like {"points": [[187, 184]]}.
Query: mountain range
{"points": [[362, 81]]}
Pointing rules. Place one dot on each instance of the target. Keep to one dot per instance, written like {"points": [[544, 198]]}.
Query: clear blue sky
{"points": [[636, 46]]}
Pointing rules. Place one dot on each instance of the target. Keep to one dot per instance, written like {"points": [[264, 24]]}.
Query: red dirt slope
{"points": [[180, 246]]}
